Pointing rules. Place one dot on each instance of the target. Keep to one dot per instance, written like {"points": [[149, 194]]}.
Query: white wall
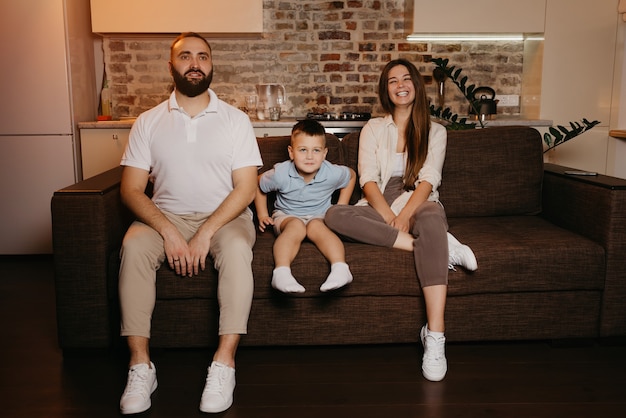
{"points": [[616, 163], [578, 76]]}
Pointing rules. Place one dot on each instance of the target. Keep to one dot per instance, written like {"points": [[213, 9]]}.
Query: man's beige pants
{"points": [[142, 254]]}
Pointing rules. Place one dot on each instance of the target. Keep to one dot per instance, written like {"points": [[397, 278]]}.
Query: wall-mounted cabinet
{"points": [[476, 16], [230, 18]]}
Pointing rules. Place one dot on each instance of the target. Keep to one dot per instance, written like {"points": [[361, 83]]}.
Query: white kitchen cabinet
{"points": [[167, 16], [476, 16], [102, 149]]}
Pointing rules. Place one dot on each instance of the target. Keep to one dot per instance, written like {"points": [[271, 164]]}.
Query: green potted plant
{"points": [[554, 137]]}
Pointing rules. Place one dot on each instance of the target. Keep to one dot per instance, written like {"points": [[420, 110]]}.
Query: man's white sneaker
{"points": [[141, 383], [460, 255], [434, 364], [218, 389]]}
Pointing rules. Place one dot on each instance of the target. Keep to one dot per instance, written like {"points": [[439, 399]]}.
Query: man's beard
{"points": [[193, 87]]}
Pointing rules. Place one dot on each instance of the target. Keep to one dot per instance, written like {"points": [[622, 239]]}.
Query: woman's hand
{"points": [[405, 219], [402, 222]]}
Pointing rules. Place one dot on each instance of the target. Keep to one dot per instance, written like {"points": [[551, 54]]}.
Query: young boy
{"points": [[304, 186]]}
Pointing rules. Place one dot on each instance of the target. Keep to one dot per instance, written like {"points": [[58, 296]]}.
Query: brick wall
{"points": [[327, 54]]}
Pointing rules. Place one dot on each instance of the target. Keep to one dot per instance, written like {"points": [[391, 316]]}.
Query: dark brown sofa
{"points": [[550, 250]]}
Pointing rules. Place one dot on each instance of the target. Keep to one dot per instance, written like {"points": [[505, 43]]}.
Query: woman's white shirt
{"points": [[377, 155]]}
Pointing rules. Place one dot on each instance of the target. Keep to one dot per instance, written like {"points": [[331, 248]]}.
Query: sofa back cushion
{"points": [[487, 172], [492, 172], [350, 144]]}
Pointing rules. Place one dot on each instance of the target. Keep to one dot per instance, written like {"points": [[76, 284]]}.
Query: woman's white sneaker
{"points": [[140, 384], [460, 255], [434, 363]]}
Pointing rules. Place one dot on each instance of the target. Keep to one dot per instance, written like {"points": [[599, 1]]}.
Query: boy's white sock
{"points": [[283, 280], [339, 276]]}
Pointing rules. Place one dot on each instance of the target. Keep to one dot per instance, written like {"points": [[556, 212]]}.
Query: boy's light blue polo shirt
{"points": [[295, 197]]}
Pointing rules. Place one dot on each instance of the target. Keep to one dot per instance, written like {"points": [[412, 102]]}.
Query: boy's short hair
{"points": [[309, 127]]}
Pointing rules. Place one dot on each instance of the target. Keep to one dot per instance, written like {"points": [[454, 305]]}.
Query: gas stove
{"points": [[340, 124], [343, 116]]}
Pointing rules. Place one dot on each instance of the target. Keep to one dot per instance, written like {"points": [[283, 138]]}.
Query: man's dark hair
{"points": [[189, 35]]}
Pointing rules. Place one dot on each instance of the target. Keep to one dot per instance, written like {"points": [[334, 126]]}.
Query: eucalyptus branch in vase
{"points": [[556, 135], [454, 74], [560, 134], [454, 123]]}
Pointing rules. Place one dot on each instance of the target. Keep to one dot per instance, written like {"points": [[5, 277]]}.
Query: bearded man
{"points": [[202, 156]]}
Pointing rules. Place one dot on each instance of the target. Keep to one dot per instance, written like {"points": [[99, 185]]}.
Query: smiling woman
{"points": [[400, 163], [402, 94]]}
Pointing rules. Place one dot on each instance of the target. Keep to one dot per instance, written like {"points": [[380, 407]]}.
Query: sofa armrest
{"points": [[594, 207], [88, 223]]}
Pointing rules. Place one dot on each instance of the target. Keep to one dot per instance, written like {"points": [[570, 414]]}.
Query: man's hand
{"points": [[177, 253], [177, 250], [187, 258], [199, 247]]}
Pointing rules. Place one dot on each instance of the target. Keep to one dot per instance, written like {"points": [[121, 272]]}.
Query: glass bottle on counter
{"points": [[105, 102]]}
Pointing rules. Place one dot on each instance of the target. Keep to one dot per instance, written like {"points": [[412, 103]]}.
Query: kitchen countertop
{"points": [[290, 121], [107, 124], [287, 122], [513, 121]]}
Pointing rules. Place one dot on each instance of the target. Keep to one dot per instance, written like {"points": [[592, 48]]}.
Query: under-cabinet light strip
{"points": [[472, 37]]}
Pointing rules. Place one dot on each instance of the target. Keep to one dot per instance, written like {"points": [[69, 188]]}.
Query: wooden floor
{"points": [[521, 379]]}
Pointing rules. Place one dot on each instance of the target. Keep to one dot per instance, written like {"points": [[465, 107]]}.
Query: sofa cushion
{"points": [[515, 254], [525, 254]]}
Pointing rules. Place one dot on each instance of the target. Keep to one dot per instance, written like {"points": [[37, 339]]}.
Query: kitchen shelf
{"points": [[618, 133]]}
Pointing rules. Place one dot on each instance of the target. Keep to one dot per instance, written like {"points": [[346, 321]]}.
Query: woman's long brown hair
{"points": [[417, 130]]}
